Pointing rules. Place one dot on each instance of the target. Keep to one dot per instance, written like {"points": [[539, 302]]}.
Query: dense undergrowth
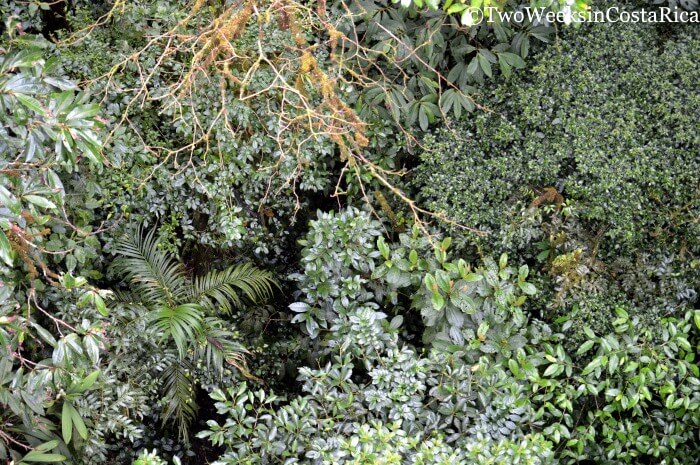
{"points": [[364, 232]]}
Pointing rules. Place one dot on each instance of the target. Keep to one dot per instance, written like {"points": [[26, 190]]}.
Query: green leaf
{"points": [[299, 307], [383, 248], [89, 380], [473, 277], [45, 335], [100, 304], [183, 323], [595, 363], [473, 66], [443, 280], [5, 249], [66, 422], [485, 65], [523, 272], [36, 456], [423, 118], [505, 67], [47, 446], [482, 330], [527, 288], [71, 263], [454, 316], [585, 347], [79, 424], [8, 199], [438, 301], [30, 103], [83, 112], [512, 59], [551, 369], [92, 348], [39, 201], [514, 368], [503, 261], [430, 283]]}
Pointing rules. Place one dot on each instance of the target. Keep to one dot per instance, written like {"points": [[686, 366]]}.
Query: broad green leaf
{"points": [[79, 424], [82, 112], [39, 201], [482, 330], [514, 368], [473, 277], [9, 200], [100, 305], [485, 65], [551, 370], [44, 334], [66, 422], [41, 457], [89, 380], [31, 103], [437, 300], [527, 288], [585, 347], [47, 446]]}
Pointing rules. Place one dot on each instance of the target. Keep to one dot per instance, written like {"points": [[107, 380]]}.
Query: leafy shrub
{"points": [[186, 311], [214, 169], [338, 258], [614, 136], [451, 413], [49, 131], [634, 399]]}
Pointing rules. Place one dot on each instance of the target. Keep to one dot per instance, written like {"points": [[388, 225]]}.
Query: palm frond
{"points": [[183, 323], [157, 276], [179, 396], [218, 346], [125, 297], [225, 288]]}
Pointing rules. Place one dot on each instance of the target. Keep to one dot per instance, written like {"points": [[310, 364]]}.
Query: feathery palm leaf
{"points": [[157, 277], [222, 288], [179, 395], [183, 323], [218, 346], [177, 305]]}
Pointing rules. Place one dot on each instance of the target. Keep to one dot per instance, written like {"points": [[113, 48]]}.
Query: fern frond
{"points": [[179, 396], [225, 288], [157, 276], [183, 323]]}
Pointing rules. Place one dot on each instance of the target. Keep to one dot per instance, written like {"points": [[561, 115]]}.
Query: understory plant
{"points": [[494, 384], [186, 314]]}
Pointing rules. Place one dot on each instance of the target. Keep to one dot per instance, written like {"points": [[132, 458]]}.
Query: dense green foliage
{"points": [[592, 178], [613, 135], [502, 267]]}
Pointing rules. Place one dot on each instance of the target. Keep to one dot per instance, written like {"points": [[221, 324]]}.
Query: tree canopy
{"points": [[348, 232]]}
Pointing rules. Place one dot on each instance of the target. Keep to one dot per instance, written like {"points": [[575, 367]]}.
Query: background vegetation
{"points": [[346, 232]]}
